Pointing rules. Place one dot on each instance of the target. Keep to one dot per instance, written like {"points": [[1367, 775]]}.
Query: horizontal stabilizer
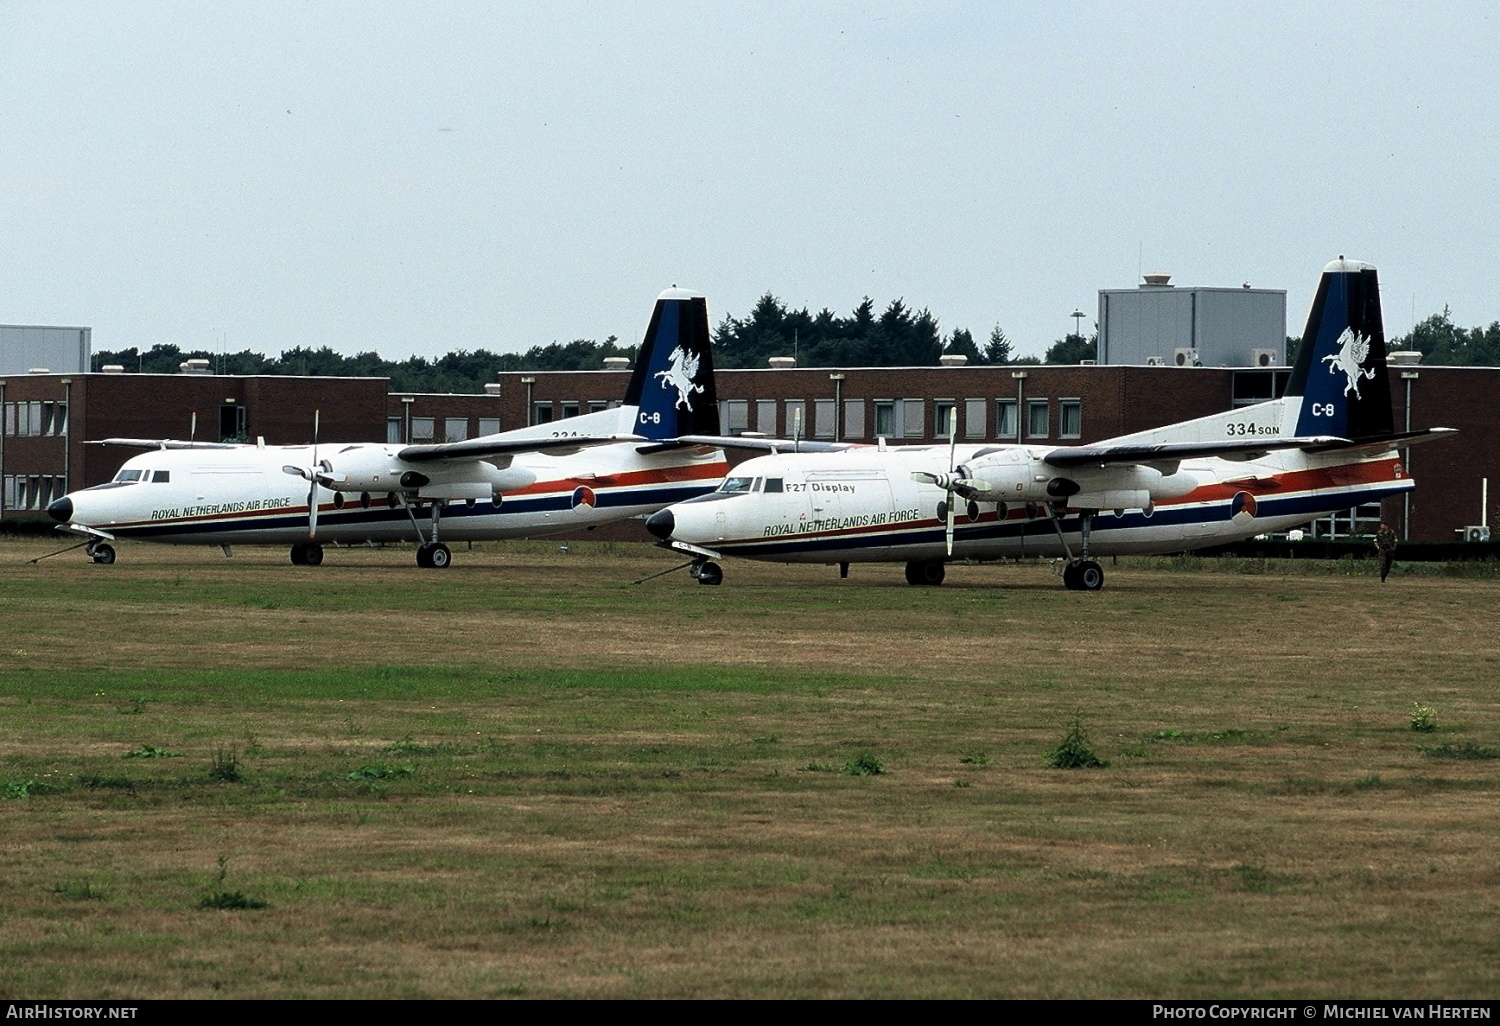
{"points": [[1386, 442], [1240, 449]]}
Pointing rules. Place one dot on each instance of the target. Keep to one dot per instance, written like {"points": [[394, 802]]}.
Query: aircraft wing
{"points": [[166, 443], [480, 448], [761, 443], [1175, 452]]}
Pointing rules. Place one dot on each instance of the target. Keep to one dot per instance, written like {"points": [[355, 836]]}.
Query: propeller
{"points": [[314, 475], [948, 481]]}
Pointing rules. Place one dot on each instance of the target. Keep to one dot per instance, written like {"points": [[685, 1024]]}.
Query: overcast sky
{"points": [[423, 177]]}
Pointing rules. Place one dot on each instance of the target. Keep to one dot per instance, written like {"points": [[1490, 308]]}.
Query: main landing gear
{"points": [[706, 571], [308, 553], [925, 573], [1081, 574], [431, 553]]}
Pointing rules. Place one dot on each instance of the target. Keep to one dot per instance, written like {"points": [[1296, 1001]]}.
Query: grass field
{"points": [[527, 776]]}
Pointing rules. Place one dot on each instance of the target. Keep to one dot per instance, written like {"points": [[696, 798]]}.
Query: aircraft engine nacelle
{"points": [[1124, 486]]}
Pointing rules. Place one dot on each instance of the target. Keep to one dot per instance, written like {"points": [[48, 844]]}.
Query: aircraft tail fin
{"points": [[1340, 375], [672, 386]]}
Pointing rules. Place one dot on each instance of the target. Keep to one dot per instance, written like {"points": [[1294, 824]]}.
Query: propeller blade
{"points": [[312, 483], [951, 476]]}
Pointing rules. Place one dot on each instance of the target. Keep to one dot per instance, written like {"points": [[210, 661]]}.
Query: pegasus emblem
{"points": [[682, 368], [1353, 350]]}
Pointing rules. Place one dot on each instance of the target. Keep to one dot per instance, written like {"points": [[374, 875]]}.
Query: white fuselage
{"points": [[244, 494], [861, 504]]}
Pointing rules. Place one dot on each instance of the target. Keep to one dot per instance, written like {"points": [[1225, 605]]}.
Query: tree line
{"points": [[899, 336]]}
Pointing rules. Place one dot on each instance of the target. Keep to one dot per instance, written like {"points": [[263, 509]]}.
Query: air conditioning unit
{"points": [[1477, 533], [1153, 361], [1184, 356], [1263, 358]]}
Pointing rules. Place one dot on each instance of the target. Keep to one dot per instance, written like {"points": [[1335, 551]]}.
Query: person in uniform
{"points": [[1385, 544]]}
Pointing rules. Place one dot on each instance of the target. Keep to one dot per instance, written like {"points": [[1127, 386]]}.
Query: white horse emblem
{"points": [[1353, 350], [682, 368]]}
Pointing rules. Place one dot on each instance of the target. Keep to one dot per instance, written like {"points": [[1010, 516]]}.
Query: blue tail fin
{"points": [[1341, 372], [673, 381]]}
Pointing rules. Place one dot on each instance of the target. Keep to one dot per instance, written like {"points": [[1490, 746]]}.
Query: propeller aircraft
{"points": [[600, 467], [1328, 444]]}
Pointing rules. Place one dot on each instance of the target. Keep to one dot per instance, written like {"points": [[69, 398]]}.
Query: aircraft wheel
{"points": [[299, 554], [439, 557], [710, 573], [925, 573], [1090, 576], [312, 554], [104, 555], [1070, 576]]}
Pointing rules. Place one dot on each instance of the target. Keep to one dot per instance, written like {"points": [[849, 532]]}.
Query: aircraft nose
{"points": [[661, 523], [61, 510]]}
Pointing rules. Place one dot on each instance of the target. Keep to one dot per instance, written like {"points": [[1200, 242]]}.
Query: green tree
{"points": [[961, 343], [1072, 349], [999, 349]]}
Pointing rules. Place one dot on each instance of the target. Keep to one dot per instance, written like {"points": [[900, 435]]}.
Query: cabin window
{"points": [[161, 476]]}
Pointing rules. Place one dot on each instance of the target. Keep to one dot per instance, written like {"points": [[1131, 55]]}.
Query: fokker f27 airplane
{"points": [[561, 476], [1328, 444]]}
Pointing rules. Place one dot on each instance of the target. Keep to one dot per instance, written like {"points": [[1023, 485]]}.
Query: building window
{"points": [[854, 418], [765, 416], [942, 409], [393, 431], [914, 415], [423, 429], [489, 425], [974, 418], [1007, 424], [1036, 419], [455, 429], [796, 418], [598, 405], [885, 418], [1070, 418], [732, 414], [9, 426], [60, 422], [569, 409], [541, 413], [825, 417], [233, 423]]}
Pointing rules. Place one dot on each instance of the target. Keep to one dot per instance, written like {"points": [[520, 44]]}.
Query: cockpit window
{"points": [[735, 485], [773, 484], [126, 476], [161, 476]]}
